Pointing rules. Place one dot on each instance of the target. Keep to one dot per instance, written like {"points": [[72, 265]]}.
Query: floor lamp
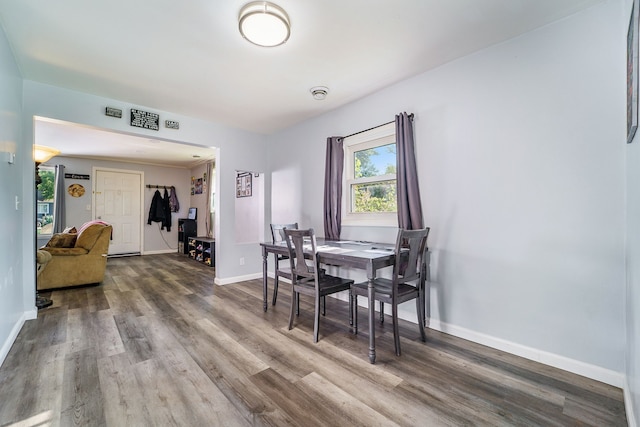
{"points": [[41, 154]]}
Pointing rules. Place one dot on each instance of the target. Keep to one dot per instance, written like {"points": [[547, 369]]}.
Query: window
{"points": [[45, 199], [369, 193]]}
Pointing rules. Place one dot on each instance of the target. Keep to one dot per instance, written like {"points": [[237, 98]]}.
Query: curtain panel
{"points": [[59, 218], [333, 188], [409, 204]]}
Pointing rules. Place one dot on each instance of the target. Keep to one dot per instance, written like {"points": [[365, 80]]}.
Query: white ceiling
{"points": [[187, 57], [80, 141]]}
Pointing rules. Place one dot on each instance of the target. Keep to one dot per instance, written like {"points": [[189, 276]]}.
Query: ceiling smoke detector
{"points": [[319, 92]]}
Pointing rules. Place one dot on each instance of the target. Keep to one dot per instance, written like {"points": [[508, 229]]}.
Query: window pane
{"points": [[375, 161], [374, 197], [45, 196]]}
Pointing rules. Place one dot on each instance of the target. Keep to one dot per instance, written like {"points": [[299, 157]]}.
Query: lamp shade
{"points": [[42, 153], [264, 24]]}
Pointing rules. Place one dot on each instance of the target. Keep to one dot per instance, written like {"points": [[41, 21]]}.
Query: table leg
{"points": [[372, 325], [264, 278]]}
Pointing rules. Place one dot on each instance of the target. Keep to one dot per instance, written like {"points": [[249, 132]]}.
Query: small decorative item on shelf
{"points": [[202, 249]]}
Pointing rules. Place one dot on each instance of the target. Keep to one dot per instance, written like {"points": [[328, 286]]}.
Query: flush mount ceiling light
{"points": [[319, 92], [264, 24]]}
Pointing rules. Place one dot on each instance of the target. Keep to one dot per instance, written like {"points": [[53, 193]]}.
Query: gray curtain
{"points": [[333, 188], [59, 219], [409, 205]]}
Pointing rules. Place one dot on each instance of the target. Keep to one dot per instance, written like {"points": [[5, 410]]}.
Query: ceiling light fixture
{"points": [[264, 24], [319, 92]]}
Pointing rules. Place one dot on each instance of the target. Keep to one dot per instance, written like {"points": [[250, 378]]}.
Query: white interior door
{"points": [[117, 201]]}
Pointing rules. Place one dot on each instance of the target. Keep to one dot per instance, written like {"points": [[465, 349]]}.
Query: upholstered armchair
{"points": [[76, 258], [42, 259]]}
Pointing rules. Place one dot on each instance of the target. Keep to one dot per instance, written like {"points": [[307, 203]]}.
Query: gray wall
{"points": [[16, 299], [520, 152], [632, 296], [235, 150]]}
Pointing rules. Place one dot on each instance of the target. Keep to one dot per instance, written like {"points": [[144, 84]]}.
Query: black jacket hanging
{"points": [[156, 211], [166, 206]]}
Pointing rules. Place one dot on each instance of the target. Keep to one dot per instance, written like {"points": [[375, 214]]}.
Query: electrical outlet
{"points": [[242, 261]]}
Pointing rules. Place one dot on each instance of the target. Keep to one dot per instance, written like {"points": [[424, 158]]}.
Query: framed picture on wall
{"points": [[632, 73], [243, 185]]}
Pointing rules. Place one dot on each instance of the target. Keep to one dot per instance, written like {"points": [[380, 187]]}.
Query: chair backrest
{"points": [[300, 265], [411, 246], [277, 233]]}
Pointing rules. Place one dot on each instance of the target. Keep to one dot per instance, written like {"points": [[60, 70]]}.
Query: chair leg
{"points": [[421, 320], [350, 308], [396, 329], [316, 323], [355, 313], [297, 304], [381, 312], [324, 305], [294, 295], [275, 289]]}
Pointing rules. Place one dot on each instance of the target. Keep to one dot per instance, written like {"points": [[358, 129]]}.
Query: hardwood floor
{"points": [[158, 344]]}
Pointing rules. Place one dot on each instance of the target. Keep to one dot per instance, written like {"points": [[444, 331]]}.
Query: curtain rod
{"points": [[375, 127]]}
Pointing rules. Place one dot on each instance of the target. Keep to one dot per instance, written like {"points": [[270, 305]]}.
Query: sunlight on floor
{"points": [[42, 419]]}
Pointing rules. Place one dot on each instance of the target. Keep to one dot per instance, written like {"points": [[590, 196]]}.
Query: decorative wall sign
{"points": [[171, 124], [75, 176], [76, 190], [243, 185], [145, 119], [113, 112]]}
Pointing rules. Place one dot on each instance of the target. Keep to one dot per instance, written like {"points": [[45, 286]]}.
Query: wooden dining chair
{"points": [[277, 235], [307, 277], [407, 282]]}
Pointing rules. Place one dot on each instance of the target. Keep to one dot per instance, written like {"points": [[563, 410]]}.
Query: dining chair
{"points": [[307, 277], [277, 235], [407, 282]]}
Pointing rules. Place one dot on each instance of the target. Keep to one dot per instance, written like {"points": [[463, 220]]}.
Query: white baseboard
{"points": [[6, 346], [162, 251], [236, 279], [628, 404], [597, 373]]}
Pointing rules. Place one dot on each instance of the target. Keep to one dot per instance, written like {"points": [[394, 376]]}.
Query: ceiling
{"points": [[188, 57], [80, 141]]}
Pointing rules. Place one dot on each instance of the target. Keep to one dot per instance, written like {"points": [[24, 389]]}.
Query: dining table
{"points": [[367, 256]]}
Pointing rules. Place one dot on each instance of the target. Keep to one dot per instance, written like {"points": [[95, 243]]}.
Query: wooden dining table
{"points": [[367, 256]]}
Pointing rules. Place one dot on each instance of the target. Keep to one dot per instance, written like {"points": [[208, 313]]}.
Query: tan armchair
{"points": [[76, 259]]}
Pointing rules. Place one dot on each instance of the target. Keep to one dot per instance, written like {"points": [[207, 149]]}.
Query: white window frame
{"points": [[380, 136]]}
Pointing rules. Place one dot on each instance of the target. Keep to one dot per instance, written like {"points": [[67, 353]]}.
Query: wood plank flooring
{"points": [[158, 344]]}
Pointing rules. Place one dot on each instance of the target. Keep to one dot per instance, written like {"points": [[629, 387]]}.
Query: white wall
{"points": [[632, 306], [520, 152], [17, 302], [250, 217], [199, 201]]}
